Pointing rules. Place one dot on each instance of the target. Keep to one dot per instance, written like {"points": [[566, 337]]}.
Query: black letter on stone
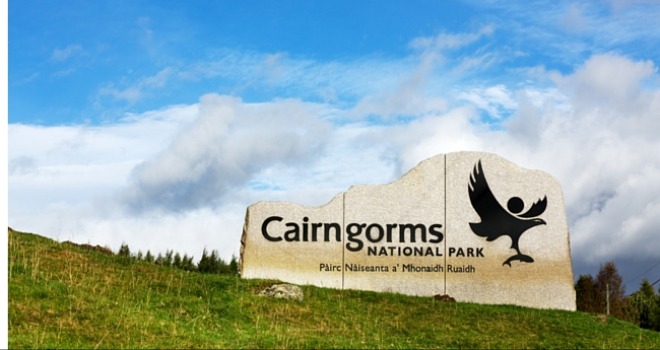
{"points": [[412, 228], [264, 232], [305, 229], [437, 233], [314, 227], [352, 235], [389, 232], [295, 237], [326, 233], [380, 233]]}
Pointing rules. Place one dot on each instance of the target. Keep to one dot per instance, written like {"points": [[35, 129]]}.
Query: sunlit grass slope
{"points": [[61, 296]]}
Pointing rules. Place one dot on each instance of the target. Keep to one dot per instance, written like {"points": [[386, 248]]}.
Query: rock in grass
{"points": [[445, 298], [283, 291]]}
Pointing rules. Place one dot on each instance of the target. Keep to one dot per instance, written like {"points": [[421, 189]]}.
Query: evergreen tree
{"points": [[148, 257], [204, 264], [177, 261], [216, 262], [645, 302], [124, 251], [139, 256], [212, 263], [187, 263], [233, 266], [657, 315], [167, 261]]}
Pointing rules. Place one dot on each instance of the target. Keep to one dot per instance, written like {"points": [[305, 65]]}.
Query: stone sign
{"points": [[468, 224]]}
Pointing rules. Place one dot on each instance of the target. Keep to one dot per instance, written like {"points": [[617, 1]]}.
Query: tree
{"points": [[124, 251], [148, 257], [591, 294], [167, 260], [205, 264], [588, 298], [219, 266], [212, 263], [608, 279], [233, 266], [647, 305], [187, 263], [177, 260]]}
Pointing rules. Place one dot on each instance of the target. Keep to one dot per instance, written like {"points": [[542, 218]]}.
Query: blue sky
{"points": [[315, 96], [93, 61]]}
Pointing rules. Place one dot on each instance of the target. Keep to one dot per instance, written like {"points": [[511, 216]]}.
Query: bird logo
{"points": [[497, 221]]}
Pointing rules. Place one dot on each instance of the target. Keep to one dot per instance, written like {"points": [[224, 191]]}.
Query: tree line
{"points": [[209, 263], [641, 307]]}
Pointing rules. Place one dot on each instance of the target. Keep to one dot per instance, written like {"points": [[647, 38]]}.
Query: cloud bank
{"points": [[182, 176]]}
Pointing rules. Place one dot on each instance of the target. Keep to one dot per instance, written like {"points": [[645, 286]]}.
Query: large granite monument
{"points": [[468, 224]]}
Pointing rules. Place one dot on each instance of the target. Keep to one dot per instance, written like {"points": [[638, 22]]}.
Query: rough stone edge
{"points": [[548, 175], [406, 174], [243, 237], [556, 182], [246, 223]]}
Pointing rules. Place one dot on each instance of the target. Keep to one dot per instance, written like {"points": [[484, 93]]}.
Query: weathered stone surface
{"points": [[548, 280], [283, 291], [416, 198], [469, 224], [296, 261]]}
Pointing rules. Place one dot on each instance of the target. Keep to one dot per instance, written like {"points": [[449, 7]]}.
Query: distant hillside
{"points": [[62, 296]]}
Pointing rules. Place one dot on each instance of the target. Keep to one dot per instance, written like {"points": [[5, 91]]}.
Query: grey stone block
{"points": [[468, 224]]}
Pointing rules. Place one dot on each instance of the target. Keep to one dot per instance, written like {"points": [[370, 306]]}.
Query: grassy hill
{"points": [[61, 296]]}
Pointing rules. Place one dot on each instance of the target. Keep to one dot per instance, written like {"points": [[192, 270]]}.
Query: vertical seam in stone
{"points": [[446, 226], [343, 229]]}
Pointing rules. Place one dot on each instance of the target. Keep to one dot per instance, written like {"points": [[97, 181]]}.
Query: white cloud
{"points": [[407, 100], [159, 79], [22, 165], [298, 75], [64, 54], [143, 23], [540, 27], [137, 91], [273, 65], [409, 96], [608, 80], [131, 94], [620, 6], [223, 148], [75, 163], [476, 63], [573, 19], [188, 172], [63, 73], [596, 132], [445, 41], [78, 181], [327, 94], [494, 99], [26, 80]]}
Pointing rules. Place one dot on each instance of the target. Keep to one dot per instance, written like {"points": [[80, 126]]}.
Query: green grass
{"points": [[61, 296]]}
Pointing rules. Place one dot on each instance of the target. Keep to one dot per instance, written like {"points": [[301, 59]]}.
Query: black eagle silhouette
{"points": [[496, 221]]}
